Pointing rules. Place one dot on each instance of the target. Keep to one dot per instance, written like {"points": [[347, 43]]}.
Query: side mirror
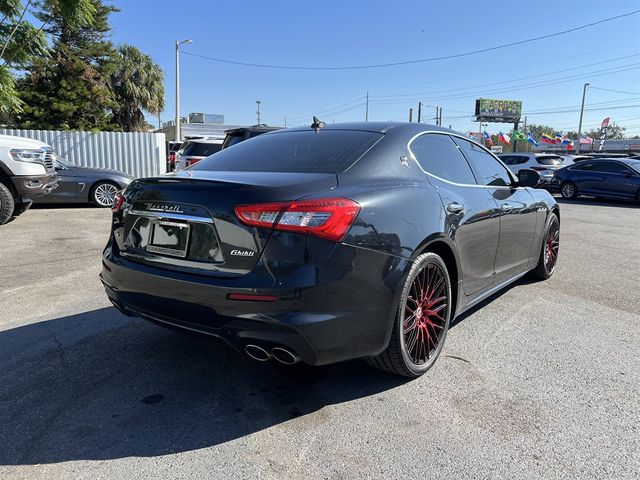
{"points": [[528, 178]]}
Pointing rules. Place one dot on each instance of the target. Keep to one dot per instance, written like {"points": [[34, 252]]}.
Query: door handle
{"points": [[506, 207], [455, 207]]}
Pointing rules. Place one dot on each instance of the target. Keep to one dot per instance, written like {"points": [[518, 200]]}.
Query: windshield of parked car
{"points": [[328, 151], [549, 160]]}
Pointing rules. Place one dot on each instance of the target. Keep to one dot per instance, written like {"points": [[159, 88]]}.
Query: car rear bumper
{"points": [[322, 322], [31, 186]]}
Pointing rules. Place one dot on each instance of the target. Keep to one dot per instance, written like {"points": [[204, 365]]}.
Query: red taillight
{"points": [[248, 297], [328, 218], [172, 157], [118, 202]]}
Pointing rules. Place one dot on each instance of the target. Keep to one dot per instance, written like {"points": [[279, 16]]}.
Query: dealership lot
{"points": [[542, 381]]}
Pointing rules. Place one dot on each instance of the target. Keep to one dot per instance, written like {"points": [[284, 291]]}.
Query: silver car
{"points": [[544, 163]]}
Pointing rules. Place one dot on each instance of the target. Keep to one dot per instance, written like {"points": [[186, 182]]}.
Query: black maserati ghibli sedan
{"points": [[329, 243]]}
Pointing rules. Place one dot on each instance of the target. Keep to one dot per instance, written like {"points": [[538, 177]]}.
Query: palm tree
{"points": [[138, 84]]}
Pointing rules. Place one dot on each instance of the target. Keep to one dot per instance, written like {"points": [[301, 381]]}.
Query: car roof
{"points": [[380, 127]]}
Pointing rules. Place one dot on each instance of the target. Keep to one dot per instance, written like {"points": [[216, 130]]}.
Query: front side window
{"points": [[438, 155], [488, 170], [584, 166]]}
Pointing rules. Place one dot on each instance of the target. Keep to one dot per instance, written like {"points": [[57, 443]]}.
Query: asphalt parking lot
{"points": [[542, 381]]}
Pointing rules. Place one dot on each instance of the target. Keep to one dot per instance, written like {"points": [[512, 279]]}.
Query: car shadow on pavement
{"points": [[98, 385]]}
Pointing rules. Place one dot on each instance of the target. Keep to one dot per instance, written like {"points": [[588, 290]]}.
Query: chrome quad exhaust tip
{"points": [[257, 353], [285, 356]]}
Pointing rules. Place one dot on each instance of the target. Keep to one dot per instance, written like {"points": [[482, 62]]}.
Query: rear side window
{"points": [[488, 170], [549, 160], [612, 167], [328, 151], [199, 149], [438, 155]]}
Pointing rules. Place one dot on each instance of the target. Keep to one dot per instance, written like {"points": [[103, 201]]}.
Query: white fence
{"points": [[138, 154]]}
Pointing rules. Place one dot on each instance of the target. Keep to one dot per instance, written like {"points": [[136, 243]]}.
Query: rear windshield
{"points": [[328, 151], [199, 149], [549, 160]]}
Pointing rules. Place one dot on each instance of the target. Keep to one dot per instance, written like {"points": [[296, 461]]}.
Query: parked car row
{"points": [[604, 175]]}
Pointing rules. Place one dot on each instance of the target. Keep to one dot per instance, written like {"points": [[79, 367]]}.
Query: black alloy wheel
{"points": [[550, 249], [422, 319]]}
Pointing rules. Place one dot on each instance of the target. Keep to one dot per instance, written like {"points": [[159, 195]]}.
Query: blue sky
{"points": [[339, 33]]}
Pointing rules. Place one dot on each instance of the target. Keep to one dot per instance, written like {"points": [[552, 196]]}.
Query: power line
{"points": [[418, 94], [615, 91], [593, 74], [409, 62]]}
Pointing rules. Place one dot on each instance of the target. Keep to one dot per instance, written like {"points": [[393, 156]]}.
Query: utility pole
{"points": [[366, 112], [584, 94], [439, 109], [285, 121], [515, 139], [177, 127], [419, 112], [258, 102], [410, 115]]}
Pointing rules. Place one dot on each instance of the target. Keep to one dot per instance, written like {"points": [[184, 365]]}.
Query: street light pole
{"points": [[258, 102], [177, 126], [584, 94]]}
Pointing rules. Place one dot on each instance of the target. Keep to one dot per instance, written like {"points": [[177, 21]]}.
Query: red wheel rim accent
{"points": [[425, 314], [552, 246]]}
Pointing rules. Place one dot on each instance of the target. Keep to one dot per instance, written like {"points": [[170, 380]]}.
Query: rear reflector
{"points": [[118, 202], [328, 218], [247, 297]]}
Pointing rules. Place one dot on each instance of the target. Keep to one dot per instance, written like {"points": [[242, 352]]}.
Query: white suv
{"points": [[26, 171], [192, 151], [544, 163]]}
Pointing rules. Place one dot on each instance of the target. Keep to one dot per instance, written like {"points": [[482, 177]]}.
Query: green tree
{"points": [[21, 42], [614, 131], [138, 84], [69, 89]]}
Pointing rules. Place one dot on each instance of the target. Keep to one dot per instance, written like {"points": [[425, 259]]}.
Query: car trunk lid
{"points": [[186, 221]]}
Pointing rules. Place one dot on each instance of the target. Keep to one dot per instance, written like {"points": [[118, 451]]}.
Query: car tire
{"points": [[550, 248], [7, 204], [103, 193], [417, 337], [568, 190]]}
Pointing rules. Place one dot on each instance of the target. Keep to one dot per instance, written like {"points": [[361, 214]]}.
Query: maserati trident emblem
{"points": [[160, 207]]}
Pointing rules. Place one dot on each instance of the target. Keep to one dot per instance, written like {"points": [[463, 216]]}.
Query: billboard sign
{"points": [[492, 110]]}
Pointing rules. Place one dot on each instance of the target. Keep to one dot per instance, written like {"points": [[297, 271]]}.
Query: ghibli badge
{"points": [[242, 253]]}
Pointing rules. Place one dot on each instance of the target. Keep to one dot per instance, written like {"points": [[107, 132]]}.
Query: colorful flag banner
{"points": [[504, 138], [487, 138], [604, 129], [546, 138], [532, 139], [519, 135], [585, 140]]}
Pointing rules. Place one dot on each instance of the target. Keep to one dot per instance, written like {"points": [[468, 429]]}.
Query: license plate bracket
{"points": [[169, 238]]}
